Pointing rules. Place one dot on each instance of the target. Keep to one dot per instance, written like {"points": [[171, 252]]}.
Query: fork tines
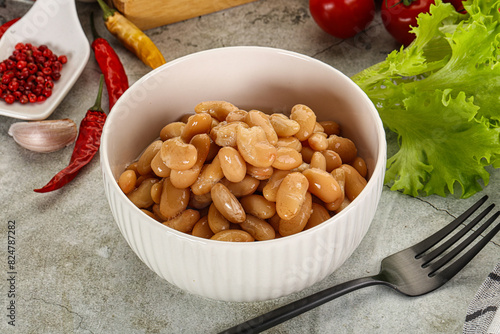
{"points": [[432, 241]]}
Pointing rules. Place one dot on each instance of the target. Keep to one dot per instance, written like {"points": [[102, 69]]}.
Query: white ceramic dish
{"points": [[271, 80], [54, 23]]}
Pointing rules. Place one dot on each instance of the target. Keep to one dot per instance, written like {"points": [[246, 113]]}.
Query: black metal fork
{"points": [[414, 271]]}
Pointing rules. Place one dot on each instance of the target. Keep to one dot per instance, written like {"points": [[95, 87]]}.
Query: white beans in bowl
{"points": [[178, 168], [265, 79]]}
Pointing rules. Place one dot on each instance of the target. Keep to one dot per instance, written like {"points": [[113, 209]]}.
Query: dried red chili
{"points": [[110, 65], [7, 25], [86, 146]]}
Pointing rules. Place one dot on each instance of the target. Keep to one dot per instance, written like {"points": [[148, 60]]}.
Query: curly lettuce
{"points": [[441, 97]]}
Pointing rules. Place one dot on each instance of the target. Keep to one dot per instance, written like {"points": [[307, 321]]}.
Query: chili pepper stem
{"points": [[107, 11], [97, 105], [95, 34]]}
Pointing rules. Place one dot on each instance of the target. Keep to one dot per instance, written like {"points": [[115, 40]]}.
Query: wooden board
{"points": [[147, 14]]}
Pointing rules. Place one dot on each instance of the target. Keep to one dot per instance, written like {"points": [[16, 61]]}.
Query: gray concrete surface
{"points": [[76, 274]]}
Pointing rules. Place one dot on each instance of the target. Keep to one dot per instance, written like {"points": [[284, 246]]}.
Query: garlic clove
{"points": [[44, 136]]}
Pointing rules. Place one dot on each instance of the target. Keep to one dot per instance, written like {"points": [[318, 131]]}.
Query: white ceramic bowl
{"points": [[270, 80]]}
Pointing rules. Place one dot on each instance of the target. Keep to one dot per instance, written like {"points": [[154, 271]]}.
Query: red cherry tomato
{"points": [[342, 18], [399, 15]]}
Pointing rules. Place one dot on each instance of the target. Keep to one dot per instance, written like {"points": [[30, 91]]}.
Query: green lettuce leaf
{"points": [[440, 96]]}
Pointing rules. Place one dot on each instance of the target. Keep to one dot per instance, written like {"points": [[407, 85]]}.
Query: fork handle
{"points": [[286, 312]]}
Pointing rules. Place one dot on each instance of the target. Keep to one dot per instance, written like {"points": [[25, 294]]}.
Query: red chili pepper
{"points": [[86, 146], [7, 25], [110, 65]]}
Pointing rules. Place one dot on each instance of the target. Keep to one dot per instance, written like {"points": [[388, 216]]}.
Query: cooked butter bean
{"points": [[301, 168], [224, 134], [287, 159], [344, 147], [144, 162], [291, 195], [156, 191], [332, 159], [290, 142], [343, 205], [186, 178], [158, 166], [173, 200], [258, 206], [245, 187], [307, 154], [214, 122], [210, 174], [360, 165], [217, 109], [319, 214], [127, 181], [258, 228], [284, 126], [201, 229], [306, 118], [133, 166], [141, 196], [196, 124], [232, 163], [262, 184], [141, 178], [216, 221], [330, 127], [178, 155], [323, 185], [339, 175], [214, 150], [318, 128], [233, 226], [200, 201], [149, 213], [317, 141], [172, 130], [271, 188], [318, 160], [236, 116], [202, 144], [254, 147], [260, 173], [297, 223], [274, 221], [258, 118], [233, 236], [156, 210], [354, 182], [227, 204], [184, 222]]}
